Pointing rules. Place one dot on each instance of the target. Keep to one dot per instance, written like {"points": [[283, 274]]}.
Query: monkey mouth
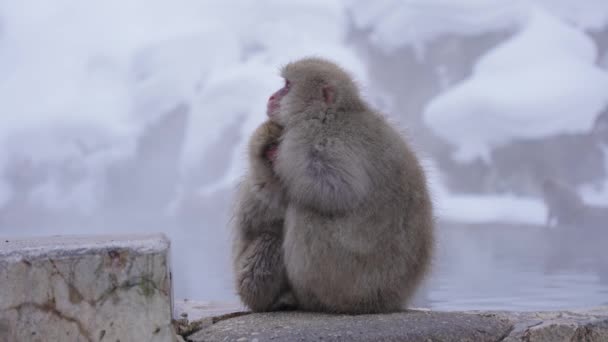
{"points": [[271, 110]]}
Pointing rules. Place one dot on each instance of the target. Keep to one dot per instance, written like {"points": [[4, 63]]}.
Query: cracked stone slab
{"points": [[86, 288]]}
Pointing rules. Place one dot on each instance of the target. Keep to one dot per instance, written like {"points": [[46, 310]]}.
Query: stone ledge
{"points": [[413, 325], [572, 325], [86, 288], [72, 246]]}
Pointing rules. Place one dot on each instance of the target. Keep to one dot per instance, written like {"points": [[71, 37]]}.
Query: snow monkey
{"points": [[358, 223], [565, 207], [261, 280]]}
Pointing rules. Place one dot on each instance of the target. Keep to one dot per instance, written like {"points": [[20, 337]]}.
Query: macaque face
{"points": [[273, 107]]}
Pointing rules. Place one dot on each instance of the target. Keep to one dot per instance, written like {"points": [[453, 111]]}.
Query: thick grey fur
{"points": [[359, 223], [261, 281]]}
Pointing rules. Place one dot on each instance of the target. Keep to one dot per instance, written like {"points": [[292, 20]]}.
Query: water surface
{"points": [[506, 267]]}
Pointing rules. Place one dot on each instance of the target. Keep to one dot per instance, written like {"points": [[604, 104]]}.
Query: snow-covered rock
{"points": [[541, 82]]}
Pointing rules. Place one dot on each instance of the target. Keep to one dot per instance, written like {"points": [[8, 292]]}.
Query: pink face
{"points": [[274, 102]]}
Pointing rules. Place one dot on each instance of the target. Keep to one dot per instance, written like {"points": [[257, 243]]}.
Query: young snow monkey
{"points": [[335, 214]]}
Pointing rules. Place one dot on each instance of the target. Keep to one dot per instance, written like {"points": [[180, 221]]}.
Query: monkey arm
{"points": [[261, 185], [259, 269], [327, 175], [260, 272]]}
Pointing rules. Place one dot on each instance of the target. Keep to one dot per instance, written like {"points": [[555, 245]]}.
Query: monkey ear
{"points": [[329, 94]]}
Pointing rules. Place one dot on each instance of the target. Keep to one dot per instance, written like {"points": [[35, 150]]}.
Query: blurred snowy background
{"points": [[131, 116]]}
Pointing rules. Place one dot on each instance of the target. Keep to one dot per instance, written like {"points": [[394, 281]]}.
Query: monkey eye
{"points": [[283, 91]]}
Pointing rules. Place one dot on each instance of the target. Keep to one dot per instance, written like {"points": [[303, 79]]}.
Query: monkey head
{"points": [[313, 87], [559, 195]]}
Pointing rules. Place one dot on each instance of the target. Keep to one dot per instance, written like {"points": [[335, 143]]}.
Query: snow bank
{"points": [[481, 208], [490, 208], [541, 82], [396, 23], [588, 14]]}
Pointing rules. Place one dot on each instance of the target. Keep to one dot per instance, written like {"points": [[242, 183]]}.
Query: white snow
{"points": [[588, 14], [395, 23], [541, 82], [490, 208], [481, 208]]}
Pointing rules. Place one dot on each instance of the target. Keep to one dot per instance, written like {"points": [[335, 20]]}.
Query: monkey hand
{"points": [[271, 152], [264, 142], [263, 151]]}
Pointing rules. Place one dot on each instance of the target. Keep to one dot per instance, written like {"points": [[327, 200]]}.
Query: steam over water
{"points": [[132, 117]]}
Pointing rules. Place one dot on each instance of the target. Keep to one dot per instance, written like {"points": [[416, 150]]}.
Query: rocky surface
{"points": [[413, 325], [106, 288], [575, 325], [408, 326]]}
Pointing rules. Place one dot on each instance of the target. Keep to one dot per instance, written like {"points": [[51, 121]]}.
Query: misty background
{"points": [[133, 116]]}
